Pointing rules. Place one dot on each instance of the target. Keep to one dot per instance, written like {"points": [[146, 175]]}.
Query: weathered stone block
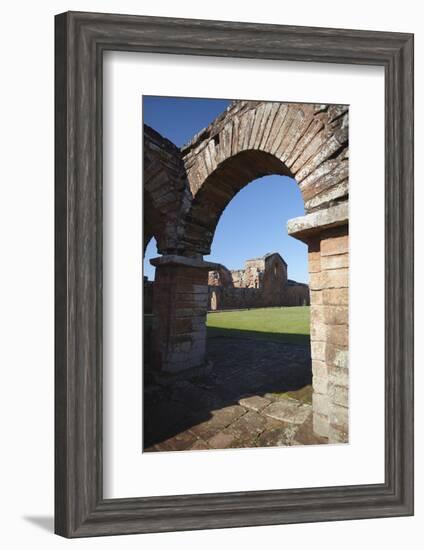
{"points": [[257, 125], [276, 126], [316, 281], [318, 351], [324, 152], [320, 377], [305, 435], [336, 356], [327, 219], [335, 278], [320, 403], [335, 245], [338, 376], [235, 135], [179, 442], [221, 440], [288, 410], [276, 147], [318, 331], [317, 314], [227, 139], [199, 445], [314, 265], [338, 395], [320, 424], [300, 125], [339, 417], [304, 141], [336, 435], [335, 296], [220, 420], [338, 335], [310, 150], [293, 129], [316, 297], [327, 175], [183, 326], [319, 368], [335, 262], [327, 190], [277, 437], [248, 426], [335, 315], [268, 125], [314, 252], [255, 402]]}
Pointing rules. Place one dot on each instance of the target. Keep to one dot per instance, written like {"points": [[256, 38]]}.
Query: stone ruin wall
{"points": [[263, 283], [147, 295], [186, 190], [329, 282]]}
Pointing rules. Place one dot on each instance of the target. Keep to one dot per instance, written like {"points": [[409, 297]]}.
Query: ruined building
{"points": [[262, 283], [185, 192]]}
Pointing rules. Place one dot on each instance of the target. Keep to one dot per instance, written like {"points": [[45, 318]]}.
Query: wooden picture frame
{"points": [[81, 39]]}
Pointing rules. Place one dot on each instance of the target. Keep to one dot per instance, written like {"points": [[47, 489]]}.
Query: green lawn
{"points": [[287, 324]]}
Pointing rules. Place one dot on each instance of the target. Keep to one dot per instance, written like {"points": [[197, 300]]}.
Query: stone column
{"points": [[179, 313], [326, 233]]}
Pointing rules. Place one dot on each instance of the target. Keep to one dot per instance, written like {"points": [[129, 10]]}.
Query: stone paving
{"points": [[257, 394]]}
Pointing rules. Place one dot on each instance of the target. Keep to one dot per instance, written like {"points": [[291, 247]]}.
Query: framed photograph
{"points": [[234, 274]]}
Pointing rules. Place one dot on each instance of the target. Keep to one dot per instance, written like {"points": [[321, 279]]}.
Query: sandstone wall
{"points": [[329, 283], [147, 296], [221, 276], [180, 301], [263, 283], [245, 298], [186, 190], [253, 139], [296, 294]]}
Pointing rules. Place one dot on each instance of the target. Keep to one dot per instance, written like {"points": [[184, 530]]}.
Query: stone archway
{"points": [[306, 142], [250, 140], [214, 300], [165, 190]]}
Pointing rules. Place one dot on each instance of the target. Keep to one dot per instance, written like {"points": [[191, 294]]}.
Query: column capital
{"points": [[306, 227]]}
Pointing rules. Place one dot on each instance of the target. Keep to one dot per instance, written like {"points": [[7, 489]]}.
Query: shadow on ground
{"points": [[286, 337], [247, 366], [46, 523]]}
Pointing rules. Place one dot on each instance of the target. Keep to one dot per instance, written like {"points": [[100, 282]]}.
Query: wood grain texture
{"points": [[80, 509]]}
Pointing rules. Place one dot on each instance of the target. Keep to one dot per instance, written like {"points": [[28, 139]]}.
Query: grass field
{"points": [[285, 324]]}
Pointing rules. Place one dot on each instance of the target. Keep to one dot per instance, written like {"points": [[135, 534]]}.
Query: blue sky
{"points": [[254, 222]]}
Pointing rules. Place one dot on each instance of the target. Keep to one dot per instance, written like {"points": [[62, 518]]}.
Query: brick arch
{"points": [[190, 187], [253, 139], [152, 224], [165, 190], [218, 189]]}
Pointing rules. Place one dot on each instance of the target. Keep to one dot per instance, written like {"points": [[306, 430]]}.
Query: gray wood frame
{"points": [[81, 39]]}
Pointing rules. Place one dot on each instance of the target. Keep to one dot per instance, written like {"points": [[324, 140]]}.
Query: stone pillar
{"points": [[179, 314], [326, 234], [329, 284]]}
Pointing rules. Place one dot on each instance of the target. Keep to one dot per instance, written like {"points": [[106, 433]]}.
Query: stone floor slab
{"points": [[305, 434], [288, 410], [199, 445], [179, 442], [221, 441], [247, 426], [219, 420], [277, 437], [251, 398], [254, 402]]}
